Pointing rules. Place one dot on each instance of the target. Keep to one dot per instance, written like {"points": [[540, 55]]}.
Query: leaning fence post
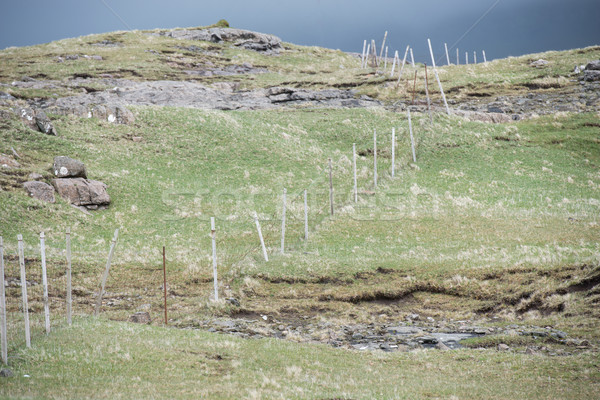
{"points": [[3, 307], [382, 45], [214, 257], [283, 223], [375, 157], [305, 215], [330, 187], [393, 152], [447, 56], [412, 141], [437, 77], [69, 289], [402, 67], [106, 269], [354, 172], [45, 282], [427, 95], [484, 59], [24, 291], [260, 236], [412, 58]]}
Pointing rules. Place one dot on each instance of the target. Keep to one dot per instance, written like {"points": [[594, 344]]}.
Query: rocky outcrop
{"points": [[196, 95], [592, 71], [8, 162], [40, 190], [37, 120], [83, 192], [66, 167], [240, 38], [492, 117]]}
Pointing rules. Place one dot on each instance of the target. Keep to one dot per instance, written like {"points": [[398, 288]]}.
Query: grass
{"points": [[154, 362], [494, 222]]}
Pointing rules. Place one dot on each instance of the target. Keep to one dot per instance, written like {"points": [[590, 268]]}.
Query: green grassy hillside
{"points": [[497, 223]]}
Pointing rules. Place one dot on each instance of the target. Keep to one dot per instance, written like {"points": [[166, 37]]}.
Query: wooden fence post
{"points": [[283, 223], [305, 215], [396, 58], [403, 62], [382, 45], [437, 77], [447, 56], [484, 59], [331, 186], [260, 236], [362, 59], [69, 286], [4, 339], [412, 141], [393, 152], [214, 256], [385, 59], [375, 157], [45, 282], [366, 61], [412, 58], [466, 58], [24, 291], [106, 269], [354, 172], [457, 57], [165, 282], [427, 95]]}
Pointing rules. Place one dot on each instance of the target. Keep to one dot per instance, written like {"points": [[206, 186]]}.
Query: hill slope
{"points": [[493, 229]]}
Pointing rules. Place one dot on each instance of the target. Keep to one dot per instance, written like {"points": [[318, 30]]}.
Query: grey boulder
{"points": [[66, 167], [593, 66], [40, 190], [82, 192], [37, 120]]}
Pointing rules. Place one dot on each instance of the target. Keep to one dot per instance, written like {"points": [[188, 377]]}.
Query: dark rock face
{"points": [[591, 75], [65, 167], [140, 317], [83, 192], [40, 190], [241, 38], [593, 66]]}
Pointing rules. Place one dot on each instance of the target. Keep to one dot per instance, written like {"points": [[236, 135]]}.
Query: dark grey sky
{"points": [[513, 27]]}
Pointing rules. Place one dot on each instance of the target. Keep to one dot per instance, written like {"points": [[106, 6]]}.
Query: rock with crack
{"points": [[37, 120], [66, 167], [249, 40], [40, 190], [83, 192]]}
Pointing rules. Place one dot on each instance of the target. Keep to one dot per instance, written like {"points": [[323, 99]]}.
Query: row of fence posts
{"points": [[3, 313], [369, 52], [23, 277]]}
